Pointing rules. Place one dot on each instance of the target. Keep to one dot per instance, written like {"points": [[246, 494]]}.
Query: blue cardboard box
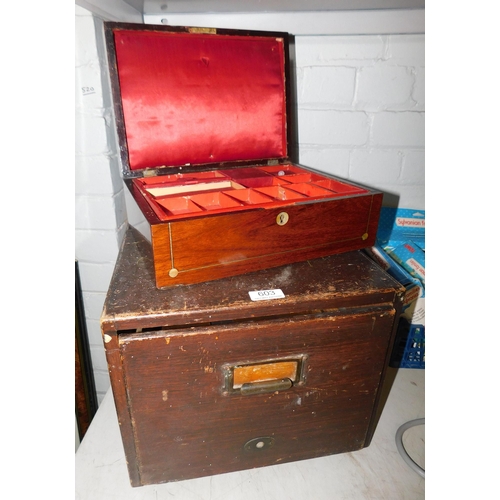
{"points": [[400, 250], [398, 225], [414, 301], [411, 257]]}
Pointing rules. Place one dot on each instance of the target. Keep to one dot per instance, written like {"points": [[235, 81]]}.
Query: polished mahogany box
{"points": [[204, 126]]}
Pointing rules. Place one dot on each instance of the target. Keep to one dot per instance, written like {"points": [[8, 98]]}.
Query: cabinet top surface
{"points": [[344, 280]]}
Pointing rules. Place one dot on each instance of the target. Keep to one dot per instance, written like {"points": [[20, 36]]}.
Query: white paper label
{"points": [[267, 294], [409, 222]]}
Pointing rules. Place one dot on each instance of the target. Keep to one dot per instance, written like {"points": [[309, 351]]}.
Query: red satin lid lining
{"points": [[196, 98]]}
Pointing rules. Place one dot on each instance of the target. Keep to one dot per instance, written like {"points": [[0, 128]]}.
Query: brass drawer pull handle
{"points": [[267, 386], [270, 375]]}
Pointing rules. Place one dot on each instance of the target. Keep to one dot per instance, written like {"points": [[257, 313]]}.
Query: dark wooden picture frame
{"points": [[85, 392]]}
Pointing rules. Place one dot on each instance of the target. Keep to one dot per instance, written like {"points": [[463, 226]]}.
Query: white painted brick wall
{"points": [[375, 166], [338, 50], [100, 213], [384, 87], [360, 105], [360, 102], [327, 85], [333, 128], [398, 129], [88, 179]]}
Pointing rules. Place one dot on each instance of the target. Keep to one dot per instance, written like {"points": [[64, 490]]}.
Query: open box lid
{"points": [[197, 96]]}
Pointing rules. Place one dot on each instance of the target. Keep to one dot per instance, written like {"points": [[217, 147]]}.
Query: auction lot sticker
{"points": [[267, 294]]}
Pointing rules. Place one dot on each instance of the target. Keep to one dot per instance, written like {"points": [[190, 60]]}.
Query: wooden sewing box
{"points": [[205, 129]]}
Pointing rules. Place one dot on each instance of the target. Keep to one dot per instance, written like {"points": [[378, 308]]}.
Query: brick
{"points": [[327, 85], [99, 356], [91, 134], [406, 49], [89, 92], [403, 196], [99, 212], [384, 87], [403, 129], [85, 47], [334, 128], [328, 50], [96, 277], [418, 93], [328, 160], [97, 175], [101, 379], [375, 167], [96, 245], [94, 334], [413, 171], [134, 214], [93, 302]]}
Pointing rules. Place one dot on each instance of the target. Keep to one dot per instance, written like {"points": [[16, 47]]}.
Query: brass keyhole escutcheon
{"points": [[282, 218]]}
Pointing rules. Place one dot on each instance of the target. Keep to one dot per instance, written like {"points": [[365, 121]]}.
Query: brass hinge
{"points": [[150, 172], [210, 31]]}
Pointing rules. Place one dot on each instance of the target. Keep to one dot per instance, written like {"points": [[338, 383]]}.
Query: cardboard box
{"points": [[414, 301], [411, 257], [397, 225]]}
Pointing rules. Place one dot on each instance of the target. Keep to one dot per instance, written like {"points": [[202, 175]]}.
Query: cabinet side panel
{"points": [[118, 386], [385, 383]]}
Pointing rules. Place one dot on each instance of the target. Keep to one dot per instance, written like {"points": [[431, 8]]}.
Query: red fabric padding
{"points": [[196, 98]]}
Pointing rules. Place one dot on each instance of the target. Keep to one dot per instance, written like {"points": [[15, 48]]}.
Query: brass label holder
{"points": [[272, 375]]}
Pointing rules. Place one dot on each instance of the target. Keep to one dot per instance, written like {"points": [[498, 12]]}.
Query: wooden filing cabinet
{"points": [[207, 380]]}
